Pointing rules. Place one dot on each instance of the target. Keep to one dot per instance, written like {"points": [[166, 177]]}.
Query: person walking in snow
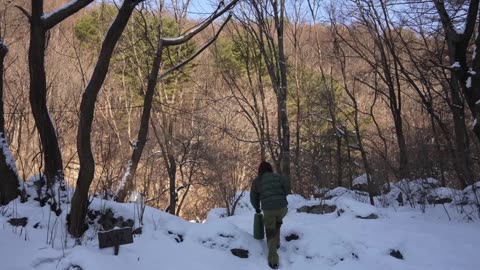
{"points": [[269, 193]]}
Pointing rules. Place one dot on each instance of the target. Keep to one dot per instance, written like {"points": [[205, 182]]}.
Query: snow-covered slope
{"points": [[339, 240]]}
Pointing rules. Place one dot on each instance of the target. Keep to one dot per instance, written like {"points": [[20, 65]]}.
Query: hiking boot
{"points": [[273, 265]]}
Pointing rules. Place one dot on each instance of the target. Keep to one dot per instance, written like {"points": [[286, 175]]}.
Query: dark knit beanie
{"points": [[264, 168]]}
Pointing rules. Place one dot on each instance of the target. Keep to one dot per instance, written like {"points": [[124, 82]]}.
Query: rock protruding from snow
{"points": [[338, 192], [74, 267], [177, 236], [239, 252], [18, 222], [291, 237], [470, 195], [424, 191], [356, 208], [317, 209], [396, 254], [371, 216], [360, 183], [341, 192], [108, 221]]}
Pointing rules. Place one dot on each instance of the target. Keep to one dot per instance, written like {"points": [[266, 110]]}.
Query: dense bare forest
{"points": [[126, 98]]}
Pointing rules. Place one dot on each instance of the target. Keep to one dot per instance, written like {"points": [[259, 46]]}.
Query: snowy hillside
{"points": [[354, 236]]}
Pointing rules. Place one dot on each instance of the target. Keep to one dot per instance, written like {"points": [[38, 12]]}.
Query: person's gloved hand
{"points": [[258, 211]]}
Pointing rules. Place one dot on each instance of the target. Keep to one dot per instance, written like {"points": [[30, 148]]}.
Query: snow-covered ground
{"points": [[427, 241]]}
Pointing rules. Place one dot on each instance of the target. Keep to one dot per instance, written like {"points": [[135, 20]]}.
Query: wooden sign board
{"points": [[115, 238]]}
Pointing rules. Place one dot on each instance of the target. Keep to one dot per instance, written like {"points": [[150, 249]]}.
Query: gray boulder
{"points": [[241, 253], [317, 209]]}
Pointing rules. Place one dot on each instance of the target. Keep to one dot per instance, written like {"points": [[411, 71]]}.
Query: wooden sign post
{"points": [[115, 238]]}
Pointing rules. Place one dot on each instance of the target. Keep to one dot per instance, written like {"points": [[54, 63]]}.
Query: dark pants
{"points": [[273, 221]]}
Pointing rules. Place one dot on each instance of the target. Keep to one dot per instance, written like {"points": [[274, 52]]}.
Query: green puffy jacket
{"points": [[271, 190]]}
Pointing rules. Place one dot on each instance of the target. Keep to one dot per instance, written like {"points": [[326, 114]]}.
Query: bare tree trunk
{"points": [[255, 111], [38, 99], [366, 164], [383, 61], [165, 142], [392, 80], [337, 132], [465, 80], [404, 171], [284, 127], [339, 166], [144, 124], [128, 183], [9, 177], [462, 152], [349, 158], [84, 147], [184, 196], [190, 155], [423, 87], [172, 172], [40, 24], [341, 58], [458, 43], [273, 52], [298, 177], [437, 146]]}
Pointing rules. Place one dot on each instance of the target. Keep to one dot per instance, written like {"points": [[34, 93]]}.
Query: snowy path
{"points": [[427, 241]]}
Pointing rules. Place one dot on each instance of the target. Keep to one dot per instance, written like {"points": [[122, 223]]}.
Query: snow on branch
{"points": [[6, 152], [464, 32], [3, 47], [469, 82], [205, 46], [124, 178], [194, 31], [60, 14], [455, 65], [340, 131]]}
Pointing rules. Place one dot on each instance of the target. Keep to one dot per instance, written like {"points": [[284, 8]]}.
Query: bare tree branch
{"points": [[194, 31], [445, 18], [24, 12], [199, 51], [51, 19], [471, 19]]}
